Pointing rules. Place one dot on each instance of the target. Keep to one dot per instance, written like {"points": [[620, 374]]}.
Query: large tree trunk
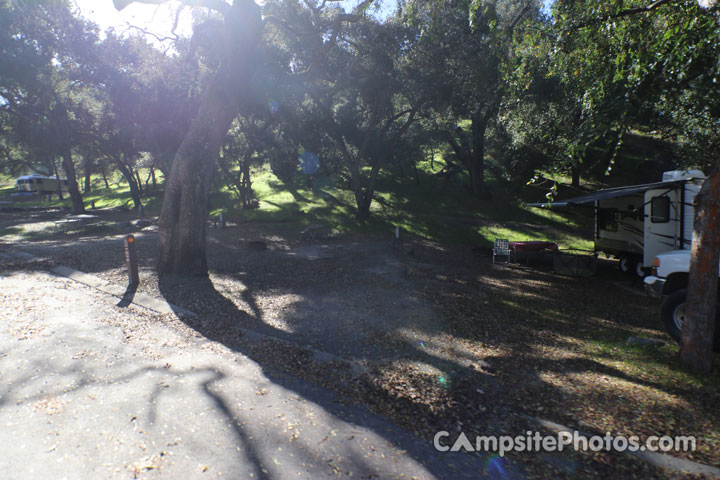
{"points": [[473, 157], [139, 182], [184, 212], [363, 209], [57, 177], [477, 161], [699, 326], [69, 167]]}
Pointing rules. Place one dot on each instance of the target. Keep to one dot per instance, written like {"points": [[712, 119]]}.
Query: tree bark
{"points": [[246, 183], [183, 218], [127, 173], [57, 177], [102, 170], [699, 327], [477, 166], [139, 182], [473, 158], [87, 170], [75, 196]]}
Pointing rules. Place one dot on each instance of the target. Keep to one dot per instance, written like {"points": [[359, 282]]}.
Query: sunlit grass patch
{"points": [[523, 232]]}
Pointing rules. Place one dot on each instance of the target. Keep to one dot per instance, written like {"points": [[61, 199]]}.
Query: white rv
{"points": [[40, 184], [637, 222]]}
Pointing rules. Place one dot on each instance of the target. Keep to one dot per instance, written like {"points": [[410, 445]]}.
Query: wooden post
{"points": [[131, 261], [397, 239]]}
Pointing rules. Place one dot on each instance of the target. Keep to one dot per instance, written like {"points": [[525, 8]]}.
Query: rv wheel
{"points": [[673, 312], [625, 264], [639, 269]]}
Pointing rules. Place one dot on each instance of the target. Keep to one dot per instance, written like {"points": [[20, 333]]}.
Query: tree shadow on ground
{"points": [[275, 358], [510, 291]]}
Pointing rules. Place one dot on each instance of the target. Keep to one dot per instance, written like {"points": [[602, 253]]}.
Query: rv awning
{"points": [[608, 193]]}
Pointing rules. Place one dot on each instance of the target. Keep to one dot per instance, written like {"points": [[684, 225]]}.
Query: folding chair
{"points": [[502, 247]]}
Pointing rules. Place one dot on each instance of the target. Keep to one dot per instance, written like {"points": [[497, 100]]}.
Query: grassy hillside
{"points": [[423, 203], [117, 196], [428, 207]]}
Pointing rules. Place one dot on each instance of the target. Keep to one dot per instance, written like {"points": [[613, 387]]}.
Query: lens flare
{"points": [[495, 467], [309, 162]]}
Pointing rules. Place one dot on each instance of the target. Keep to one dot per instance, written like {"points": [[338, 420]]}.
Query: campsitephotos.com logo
{"points": [[537, 442]]}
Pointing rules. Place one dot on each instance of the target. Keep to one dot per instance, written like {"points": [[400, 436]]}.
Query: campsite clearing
{"points": [[446, 339]]}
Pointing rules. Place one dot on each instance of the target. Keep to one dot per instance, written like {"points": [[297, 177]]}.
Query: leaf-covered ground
{"points": [[435, 336]]}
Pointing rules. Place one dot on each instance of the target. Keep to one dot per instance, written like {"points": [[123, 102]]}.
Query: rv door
{"points": [[662, 223]]}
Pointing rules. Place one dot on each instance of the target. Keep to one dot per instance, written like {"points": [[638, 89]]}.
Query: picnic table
{"points": [[532, 246]]}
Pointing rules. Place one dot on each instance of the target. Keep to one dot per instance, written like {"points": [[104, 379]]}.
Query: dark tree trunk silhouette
{"points": [[73, 190], [139, 183], [472, 154], [104, 176], [127, 173], [57, 177], [87, 170], [699, 327]]}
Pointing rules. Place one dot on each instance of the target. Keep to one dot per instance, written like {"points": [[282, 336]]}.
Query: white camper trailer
{"points": [[636, 222], [40, 184]]}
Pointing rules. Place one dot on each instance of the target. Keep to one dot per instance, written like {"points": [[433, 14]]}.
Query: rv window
{"points": [[39, 180], [660, 210], [607, 219]]}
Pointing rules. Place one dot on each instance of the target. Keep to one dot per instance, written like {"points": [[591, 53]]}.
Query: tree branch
{"points": [[519, 17], [622, 13], [319, 7], [157, 37]]}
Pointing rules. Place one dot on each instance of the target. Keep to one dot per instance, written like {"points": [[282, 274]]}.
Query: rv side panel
{"points": [[663, 216], [619, 225], [690, 192]]}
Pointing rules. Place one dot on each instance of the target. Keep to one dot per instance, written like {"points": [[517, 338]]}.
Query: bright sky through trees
{"points": [[158, 19]]}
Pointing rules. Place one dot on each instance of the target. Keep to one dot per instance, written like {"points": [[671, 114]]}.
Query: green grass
{"points": [[428, 206], [295, 202], [117, 196], [661, 363], [563, 239], [434, 208]]}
